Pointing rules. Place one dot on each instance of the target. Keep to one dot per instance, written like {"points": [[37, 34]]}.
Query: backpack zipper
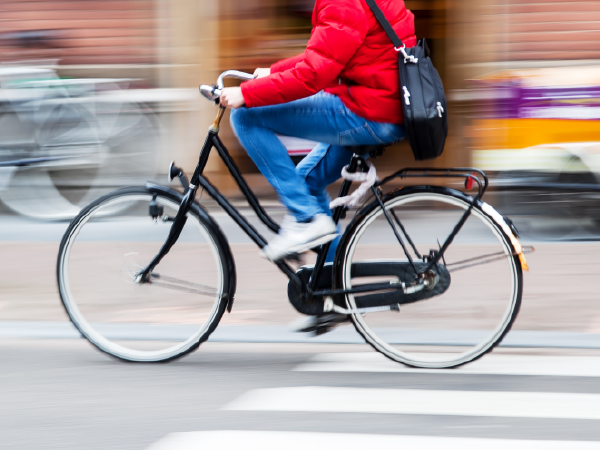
{"points": [[440, 109]]}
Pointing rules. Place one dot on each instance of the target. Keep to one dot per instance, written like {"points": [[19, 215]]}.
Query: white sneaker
{"points": [[296, 237]]}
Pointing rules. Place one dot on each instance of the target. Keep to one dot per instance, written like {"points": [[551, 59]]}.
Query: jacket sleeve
{"points": [[286, 64], [339, 30]]}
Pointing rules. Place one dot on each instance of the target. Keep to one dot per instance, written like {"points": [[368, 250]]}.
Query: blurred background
{"points": [[81, 81], [95, 95]]}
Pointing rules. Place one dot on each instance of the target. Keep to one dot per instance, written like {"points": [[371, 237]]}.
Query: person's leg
{"points": [[322, 118], [256, 129], [273, 161], [321, 167]]}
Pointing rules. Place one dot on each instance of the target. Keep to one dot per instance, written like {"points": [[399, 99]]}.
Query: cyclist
{"points": [[342, 91]]}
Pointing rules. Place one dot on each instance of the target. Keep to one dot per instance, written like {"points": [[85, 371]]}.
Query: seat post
{"points": [[355, 163]]}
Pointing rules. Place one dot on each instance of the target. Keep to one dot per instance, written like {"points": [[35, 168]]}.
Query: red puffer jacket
{"points": [[349, 55]]}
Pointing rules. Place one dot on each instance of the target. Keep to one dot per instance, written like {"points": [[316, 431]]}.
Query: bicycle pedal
{"points": [[322, 330], [294, 257]]}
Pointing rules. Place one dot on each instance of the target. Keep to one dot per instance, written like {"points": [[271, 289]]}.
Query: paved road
{"points": [[62, 394], [65, 395]]}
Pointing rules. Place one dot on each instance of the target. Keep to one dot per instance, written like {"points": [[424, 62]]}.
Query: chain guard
{"points": [[405, 273], [400, 270]]}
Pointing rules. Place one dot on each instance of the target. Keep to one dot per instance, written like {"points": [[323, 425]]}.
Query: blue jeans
{"points": [[321, 117]]}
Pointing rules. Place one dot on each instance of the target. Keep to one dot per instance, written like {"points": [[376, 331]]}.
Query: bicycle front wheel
{"points": [[100, 257], [478, 284]]}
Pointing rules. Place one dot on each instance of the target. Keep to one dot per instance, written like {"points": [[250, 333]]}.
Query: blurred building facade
{"points": [[80, 32], [182, 43], [533, 81]]}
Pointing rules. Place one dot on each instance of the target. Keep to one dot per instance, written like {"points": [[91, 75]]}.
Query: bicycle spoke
{"points": [[181, 285], [491, 258], [463, 314], [102, 258], [483, 259]]}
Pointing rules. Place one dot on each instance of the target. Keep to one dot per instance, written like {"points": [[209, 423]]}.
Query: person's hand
{"points": [[232, 97], [260, 73]]}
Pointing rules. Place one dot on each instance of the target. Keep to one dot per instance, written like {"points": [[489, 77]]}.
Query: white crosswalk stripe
{"points": [[494, 364], [471, 405], [278, 440], [547, 405]]}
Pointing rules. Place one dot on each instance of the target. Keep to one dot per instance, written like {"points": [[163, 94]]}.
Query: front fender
{"points": [[159, 188]]}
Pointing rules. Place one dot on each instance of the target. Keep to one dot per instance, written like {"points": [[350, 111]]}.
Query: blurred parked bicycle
{"points": [[64, 142]]}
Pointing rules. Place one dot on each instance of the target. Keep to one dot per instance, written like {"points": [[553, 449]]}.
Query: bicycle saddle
{"points": [[373, 150]]}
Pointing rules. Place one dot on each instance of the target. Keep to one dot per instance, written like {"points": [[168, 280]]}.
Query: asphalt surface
{"points": [[63, 394], [66, 395]]}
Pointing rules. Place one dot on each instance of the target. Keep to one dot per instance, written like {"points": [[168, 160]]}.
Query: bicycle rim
{"points": [[157, 321], [480, 301]]}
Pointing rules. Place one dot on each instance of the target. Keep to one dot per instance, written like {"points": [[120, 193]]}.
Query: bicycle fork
{"points": [[178, 223], [186, 203]]}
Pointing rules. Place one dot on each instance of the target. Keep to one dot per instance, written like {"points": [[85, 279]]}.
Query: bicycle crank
{"points": [[330, 306]]}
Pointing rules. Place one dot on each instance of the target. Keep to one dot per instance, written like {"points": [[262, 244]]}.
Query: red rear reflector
{"points": [[469, 183]]}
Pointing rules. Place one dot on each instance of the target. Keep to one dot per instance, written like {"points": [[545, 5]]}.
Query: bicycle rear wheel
{"points": [[188, 292], [479, 284]]}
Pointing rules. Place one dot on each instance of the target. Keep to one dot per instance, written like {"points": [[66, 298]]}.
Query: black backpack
{"points": [[423, 98]]}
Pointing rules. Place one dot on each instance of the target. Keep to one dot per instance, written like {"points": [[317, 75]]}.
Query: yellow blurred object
{"points": [[521, 133]]}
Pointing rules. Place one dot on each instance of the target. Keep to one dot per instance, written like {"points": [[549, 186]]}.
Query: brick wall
{"points": [[548, 29], [79, 31]]}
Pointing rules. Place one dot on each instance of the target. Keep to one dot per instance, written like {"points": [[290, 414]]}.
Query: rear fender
{"points": [[514, 240]]}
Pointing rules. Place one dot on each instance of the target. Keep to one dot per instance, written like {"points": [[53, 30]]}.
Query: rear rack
{"points": [[470, 175]]}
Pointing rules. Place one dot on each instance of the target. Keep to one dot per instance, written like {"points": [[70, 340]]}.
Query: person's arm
{"points": [[287, 63], [340, 29]]}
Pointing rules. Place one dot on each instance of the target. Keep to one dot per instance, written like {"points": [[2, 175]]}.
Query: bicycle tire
{"points": [[404, 196], [217, 242]]}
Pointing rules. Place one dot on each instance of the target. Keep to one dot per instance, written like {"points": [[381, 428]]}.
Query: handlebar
{"points": [[233, 74], [214, 92]]}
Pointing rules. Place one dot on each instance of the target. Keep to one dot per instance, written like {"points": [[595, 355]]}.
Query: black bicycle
{"points": [[430, 276]]}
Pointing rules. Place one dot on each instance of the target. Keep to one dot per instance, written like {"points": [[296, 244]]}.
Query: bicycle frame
{"points": [[198, 180]]}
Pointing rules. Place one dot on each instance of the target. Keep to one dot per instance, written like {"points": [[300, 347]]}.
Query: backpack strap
{"points": [[398, 44]]}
